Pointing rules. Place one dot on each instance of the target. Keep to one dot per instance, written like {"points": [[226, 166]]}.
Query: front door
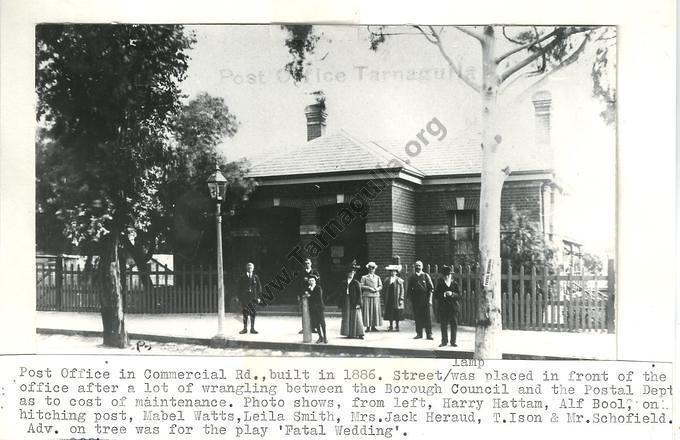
{"points": [[279, 233], [349, 244]]}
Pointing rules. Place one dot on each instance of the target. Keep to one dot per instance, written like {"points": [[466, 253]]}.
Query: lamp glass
{"points": [[217, 184]]}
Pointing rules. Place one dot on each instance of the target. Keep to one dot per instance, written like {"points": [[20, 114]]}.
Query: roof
{"points": [[332, 153], [341, 152]]}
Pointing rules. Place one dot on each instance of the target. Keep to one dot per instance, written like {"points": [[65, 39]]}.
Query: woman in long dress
{"points": [[394, 294], [371, 285], [356, 322], [343, 296]]}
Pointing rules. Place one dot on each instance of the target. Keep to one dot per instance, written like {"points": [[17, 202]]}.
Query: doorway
{"points": [[279, 234], [349, 244]]}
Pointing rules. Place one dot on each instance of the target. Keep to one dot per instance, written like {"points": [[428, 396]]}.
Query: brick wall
{"points": [[380, 248], [433, 203], [432, 248], [524, 196], [404, 204], [404, 245]]}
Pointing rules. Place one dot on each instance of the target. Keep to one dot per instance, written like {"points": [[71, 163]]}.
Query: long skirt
{"points": [[371, 311], [316, 317], [392, 311], [355, 324], [344, 324]]}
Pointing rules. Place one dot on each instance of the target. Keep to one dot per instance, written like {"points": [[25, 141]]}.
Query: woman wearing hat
{"points": [[371, 285], [394, 294], [316, 308], [352, 324], [448, 298]]}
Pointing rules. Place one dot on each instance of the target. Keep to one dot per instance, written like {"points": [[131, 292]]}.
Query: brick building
{"points": [[337, 198]]}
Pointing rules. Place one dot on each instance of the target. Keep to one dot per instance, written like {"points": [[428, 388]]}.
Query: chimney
{"points": [[316, 120], [542, 105]]}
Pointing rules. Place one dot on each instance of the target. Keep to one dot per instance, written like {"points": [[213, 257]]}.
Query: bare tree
{"points": [[512, 59]]}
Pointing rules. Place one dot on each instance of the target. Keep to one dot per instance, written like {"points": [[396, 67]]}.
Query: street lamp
{"points": [[217, 184]]}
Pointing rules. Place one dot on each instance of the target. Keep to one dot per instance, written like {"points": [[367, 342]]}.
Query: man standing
{"points": [[249, 291], [420, 291], [307, 272], [448, 299]]}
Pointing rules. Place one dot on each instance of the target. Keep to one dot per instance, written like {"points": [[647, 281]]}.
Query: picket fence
{"points": [[532, 298]]}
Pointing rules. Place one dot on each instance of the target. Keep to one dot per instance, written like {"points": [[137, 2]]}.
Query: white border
{"points": [[646, 155]]}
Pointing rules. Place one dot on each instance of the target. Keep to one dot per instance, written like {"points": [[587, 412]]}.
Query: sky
{"points": [[392, 94]]}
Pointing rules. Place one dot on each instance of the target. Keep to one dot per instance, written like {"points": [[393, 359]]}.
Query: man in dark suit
{"points": [[420, 291], [249, 292], [448, 299]]}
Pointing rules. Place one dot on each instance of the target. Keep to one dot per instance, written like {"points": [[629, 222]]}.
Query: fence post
{"points": [[306, 321], [59, 282], [506, 309], [533, 317], [611, 295], [522, 306]]}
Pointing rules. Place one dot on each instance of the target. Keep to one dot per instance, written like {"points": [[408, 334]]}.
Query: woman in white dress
{"points": [[371, 285]]}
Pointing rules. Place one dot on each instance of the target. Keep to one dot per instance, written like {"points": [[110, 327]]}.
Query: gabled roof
{"points": [[332, 153], [341, 152]]}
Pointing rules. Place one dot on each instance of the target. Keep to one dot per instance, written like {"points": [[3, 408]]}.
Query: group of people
{"points": [[362, 300]]}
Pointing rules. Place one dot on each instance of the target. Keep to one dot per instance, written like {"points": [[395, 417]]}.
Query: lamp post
{"points": [[217, 184]]}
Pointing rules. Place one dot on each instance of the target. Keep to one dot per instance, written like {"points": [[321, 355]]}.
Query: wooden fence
{"points": [[532, 298], [540, 298]]}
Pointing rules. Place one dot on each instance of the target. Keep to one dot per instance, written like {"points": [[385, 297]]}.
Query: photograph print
{"points": [[326, 190]]}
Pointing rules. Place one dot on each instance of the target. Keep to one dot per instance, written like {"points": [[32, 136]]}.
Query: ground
{"points": [[192, 333], [76, 344]]}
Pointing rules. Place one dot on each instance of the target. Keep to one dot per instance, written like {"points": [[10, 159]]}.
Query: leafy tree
{"points": [[202, 125], [196, 131], [107, 95], [592, 263], [524, 244], [511, 58]]}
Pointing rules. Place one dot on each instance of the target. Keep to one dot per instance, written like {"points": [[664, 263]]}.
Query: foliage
{"points": [[106, 97], [465, 261], [376, 37], [204, 122], [604, 78], [592, 263], [301, 42], [523, 243]]}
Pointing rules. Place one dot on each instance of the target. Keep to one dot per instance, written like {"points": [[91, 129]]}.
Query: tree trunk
{"points": [[143, 269], [141, 259], [489, 325], [111, 295]]}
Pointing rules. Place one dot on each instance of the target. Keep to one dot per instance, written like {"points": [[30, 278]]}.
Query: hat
{"points": [[354, 266], [396, 264], [445, 270], [312, 275], [371, 264]]}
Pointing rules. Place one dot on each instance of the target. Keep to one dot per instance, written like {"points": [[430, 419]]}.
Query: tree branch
{"points": [[433, 37], [525, 62], [513, 51], [560, 35], [479, 37], [428, 36], [572, 58]]}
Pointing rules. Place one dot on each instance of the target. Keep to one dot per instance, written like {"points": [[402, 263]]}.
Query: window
{"points": [[463, 239], [463, 225]]}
